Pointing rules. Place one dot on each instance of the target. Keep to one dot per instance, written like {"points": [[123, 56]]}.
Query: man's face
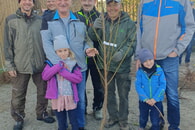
{"points": [[26, 5], [113, 9], [51, 4], [63, 6], [88, 5]]}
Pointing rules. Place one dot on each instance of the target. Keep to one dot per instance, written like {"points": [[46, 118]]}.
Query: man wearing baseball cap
{"points": [[119, 44], [118, 1]]}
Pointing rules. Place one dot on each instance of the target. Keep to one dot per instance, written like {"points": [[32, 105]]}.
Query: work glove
{"points": [[98, 23], [117, 56]]}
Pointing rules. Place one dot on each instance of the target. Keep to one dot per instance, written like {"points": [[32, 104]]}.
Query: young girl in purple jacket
{"points": [[61, 84]]}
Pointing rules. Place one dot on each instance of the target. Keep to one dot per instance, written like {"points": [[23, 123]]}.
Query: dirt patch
{"points": [[187, 105]]}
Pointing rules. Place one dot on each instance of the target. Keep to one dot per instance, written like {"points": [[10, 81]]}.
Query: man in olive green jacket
{"points": [[119, 44], [24, 57]]}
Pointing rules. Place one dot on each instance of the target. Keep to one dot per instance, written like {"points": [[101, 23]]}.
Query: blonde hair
{"points": [[71, 54]]}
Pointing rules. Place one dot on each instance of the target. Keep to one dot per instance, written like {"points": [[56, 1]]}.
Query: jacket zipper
{"points": [[157, 27]]}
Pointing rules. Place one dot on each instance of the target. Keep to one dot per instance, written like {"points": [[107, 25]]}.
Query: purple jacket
{"points": [[49, 73]]}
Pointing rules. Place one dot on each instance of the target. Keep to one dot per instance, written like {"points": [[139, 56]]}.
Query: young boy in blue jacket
{"points": [[150, 85]]}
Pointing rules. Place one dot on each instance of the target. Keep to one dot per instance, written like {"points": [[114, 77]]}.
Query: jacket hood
{"points": [[19, 13]]}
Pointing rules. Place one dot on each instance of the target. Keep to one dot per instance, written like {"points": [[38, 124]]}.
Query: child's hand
{"points": [[66, 66], [148, 102], [152, 102]]}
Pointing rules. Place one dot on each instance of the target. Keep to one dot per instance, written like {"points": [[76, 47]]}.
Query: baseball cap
{"points": [[108, 1]]}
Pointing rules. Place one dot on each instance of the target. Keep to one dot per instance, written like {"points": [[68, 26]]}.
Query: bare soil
{"points": [[187, 105]]}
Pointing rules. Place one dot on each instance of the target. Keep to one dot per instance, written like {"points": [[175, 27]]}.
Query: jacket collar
{"points": [[19, 13], [93, 11], [57, 16]]}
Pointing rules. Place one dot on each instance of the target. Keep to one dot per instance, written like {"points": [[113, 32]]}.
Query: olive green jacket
{"points": [[22, 43], [120, 35]]}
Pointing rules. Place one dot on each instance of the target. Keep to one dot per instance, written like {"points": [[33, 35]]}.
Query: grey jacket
{"points": [[22, 43], [75, 32]]}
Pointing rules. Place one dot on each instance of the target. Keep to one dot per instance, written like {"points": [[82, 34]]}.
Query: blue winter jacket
{"points": [[164, 26], [153, 87]]}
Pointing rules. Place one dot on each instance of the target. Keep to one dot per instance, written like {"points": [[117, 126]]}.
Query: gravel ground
{"points": [[6, 122]]}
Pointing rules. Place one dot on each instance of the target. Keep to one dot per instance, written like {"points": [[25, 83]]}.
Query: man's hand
{"points": [[98, 23], [117, 56], [91, 52], [173, 54], [12, 73]]}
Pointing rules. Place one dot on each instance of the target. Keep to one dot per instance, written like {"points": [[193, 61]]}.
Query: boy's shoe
{"points": [[110, 123], [18, 125], [98, 114], [46, 118], [161, 126], [82, 128]]}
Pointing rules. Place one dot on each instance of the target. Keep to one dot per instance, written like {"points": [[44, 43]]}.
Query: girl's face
{"points": [[63, 53], [149, 63]]}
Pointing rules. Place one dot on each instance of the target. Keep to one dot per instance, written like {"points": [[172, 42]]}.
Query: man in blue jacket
{"points": [[166, 27], [63, 22]]}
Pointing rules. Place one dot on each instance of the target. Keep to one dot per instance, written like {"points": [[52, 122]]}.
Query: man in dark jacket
{"points": [[24, 58], [51, 7], [88, 14]]}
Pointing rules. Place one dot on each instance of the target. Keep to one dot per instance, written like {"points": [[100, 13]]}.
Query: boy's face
{"points": [[148, 63], [63, 53]]}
